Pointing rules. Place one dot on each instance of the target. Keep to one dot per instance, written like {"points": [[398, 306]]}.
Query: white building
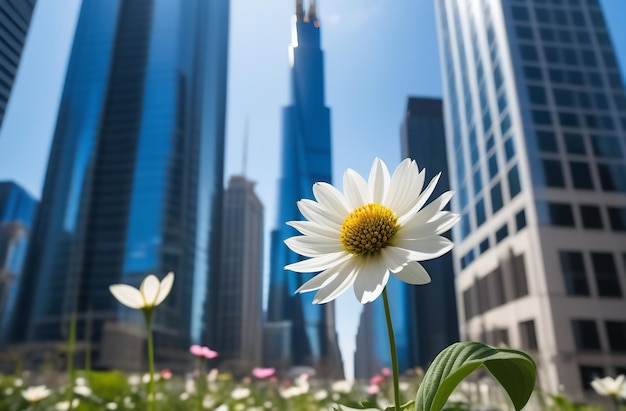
{"points": [[535, 115]]}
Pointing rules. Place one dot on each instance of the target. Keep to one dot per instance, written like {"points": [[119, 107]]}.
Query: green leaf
{"points": [[514, 369], [405, 407]]}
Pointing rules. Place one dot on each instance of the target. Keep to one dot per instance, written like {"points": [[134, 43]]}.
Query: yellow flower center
{"points": [[368, 229]]}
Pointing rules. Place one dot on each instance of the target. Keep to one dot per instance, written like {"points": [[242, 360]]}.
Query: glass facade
{"points": [[15, 18], [134, 179], [17, 212], [535, 110], [306, 159], [431, 313]]}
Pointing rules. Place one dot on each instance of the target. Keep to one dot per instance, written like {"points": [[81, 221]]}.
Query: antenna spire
{"points": [[312, 13], [299, 10]]}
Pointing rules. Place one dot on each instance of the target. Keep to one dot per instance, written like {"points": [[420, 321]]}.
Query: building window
{"points": [[542, 117], [617, 218], [563, 98], [468, 303], [484, 245], [509, 149], [591, 216], [568, 119], [588, 373], [496, 198], [532, 73], [547, 141], [616, 333], [561, 214], [514, 183], [586, 335], [612, 177], [574, 143], [574, 274], [606, 146], [581, 175], [480, 213], [528, 335], [606, 275], [520, 220], [553, 173], [537, 95], [501, 337], [493, 166], [529, 53], [502, 233], [520, 285]]}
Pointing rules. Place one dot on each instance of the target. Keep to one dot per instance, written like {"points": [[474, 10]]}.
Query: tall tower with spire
{"points": [[306, 158]]}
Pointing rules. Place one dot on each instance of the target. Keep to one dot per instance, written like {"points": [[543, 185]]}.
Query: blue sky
{"points": [[377, 53]]}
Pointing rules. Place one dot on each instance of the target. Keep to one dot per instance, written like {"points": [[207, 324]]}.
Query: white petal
{"points": [[150, 289], [344, 279], [165, 288], [378, 181], [127, 295], [413, 273], [320, 263], [370, 280], [313, 212], [355, 189], [423, 198], [320, 279], [313, 229], [405, 187], [313, 246], [444, 222], [331, 199], [426, 214], [395, 258], [426, 249]]}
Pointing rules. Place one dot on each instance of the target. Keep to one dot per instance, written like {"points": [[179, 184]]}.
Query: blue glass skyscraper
{"points": [[306, 159], [134, 179], [17, 211]]}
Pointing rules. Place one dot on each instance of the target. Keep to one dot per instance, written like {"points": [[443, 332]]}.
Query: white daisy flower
{"points": [[610, 386], [373, 228]]}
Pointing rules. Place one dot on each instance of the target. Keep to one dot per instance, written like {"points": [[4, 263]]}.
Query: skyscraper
{"points": [[134, 179], [14, 26], [306, 159], [17, 211], [240, 281], [431, 308], [535, 115]]}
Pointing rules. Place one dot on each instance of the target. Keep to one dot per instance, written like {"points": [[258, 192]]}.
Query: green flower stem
{"points": [[151, 395], [71, 346], [392, 349], [199, 382]]}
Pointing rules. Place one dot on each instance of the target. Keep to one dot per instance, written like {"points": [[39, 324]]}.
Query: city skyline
{"points": [[366, 87]]}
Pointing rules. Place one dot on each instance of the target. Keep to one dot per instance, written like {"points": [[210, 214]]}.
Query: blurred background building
{"points": [[535, 116], [134, 181], [239, 327], [17, 211], [14, 25], [306, 159]]}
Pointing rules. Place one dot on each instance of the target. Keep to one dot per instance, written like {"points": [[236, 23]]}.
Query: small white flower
{"points": [[240, 393], [134, 379], [403, 385], [151, 293], [290, 392], [342, 386], [222, 407], [184, 396], [320, 395], [609, 386], [8, 391], [65, 405], [35, 394], [111, 406], [18, 382], [240, 407], [82, 390], [372, 229]]}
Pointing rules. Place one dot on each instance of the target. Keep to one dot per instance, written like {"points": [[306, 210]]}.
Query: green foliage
{"points": [[107, 385], [515, 371]]}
